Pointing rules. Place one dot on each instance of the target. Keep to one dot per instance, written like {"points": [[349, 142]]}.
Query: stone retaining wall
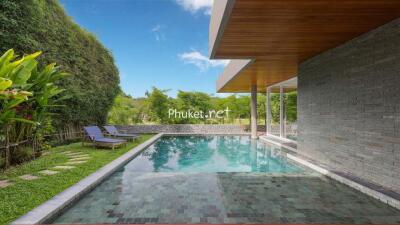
{"points": [[201, 128], [189, 128]]}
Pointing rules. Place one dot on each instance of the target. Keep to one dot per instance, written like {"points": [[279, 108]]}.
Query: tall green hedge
{"points": [[31, 25]]}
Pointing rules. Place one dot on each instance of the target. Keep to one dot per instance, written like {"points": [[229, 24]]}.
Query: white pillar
{"points": [[253, 107], [268, 111], [281, 113]]}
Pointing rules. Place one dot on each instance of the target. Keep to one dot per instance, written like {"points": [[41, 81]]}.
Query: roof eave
{"points": [[234, 67], [219, 18]]}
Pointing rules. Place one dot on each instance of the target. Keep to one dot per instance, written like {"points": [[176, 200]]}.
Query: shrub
{"points": [[22, 154]]}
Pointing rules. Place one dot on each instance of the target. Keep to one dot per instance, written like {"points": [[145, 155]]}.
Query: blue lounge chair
{"points": [[111, 130], [94, 134]]}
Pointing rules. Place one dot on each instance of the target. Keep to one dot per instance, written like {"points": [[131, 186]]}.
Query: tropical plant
{"points": [[38, 107], [14, 75], [21, 117]]}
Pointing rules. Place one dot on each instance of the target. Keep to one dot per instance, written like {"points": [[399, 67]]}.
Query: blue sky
{"points": [[161, 43]]}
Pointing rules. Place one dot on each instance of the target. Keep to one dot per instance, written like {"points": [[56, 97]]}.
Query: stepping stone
{"points": [[5, 183], [75, 162], [75, 153], [79, 156], [28, 177], [64, 167], [79, 159], [48, 172]]}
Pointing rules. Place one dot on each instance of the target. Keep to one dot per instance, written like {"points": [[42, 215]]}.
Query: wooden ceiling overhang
{"points": [[270, 38]]}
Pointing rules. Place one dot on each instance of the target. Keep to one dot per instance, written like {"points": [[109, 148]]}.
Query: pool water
{"points": [[211, 154], [222, 179]]}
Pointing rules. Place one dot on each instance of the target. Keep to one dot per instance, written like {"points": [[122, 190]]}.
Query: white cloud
{"points": [[201, 61], [223, 95], [194, 6], [157, 30]]}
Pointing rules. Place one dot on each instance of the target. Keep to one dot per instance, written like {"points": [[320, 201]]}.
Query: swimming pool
{"points": [[211, 154], [222, 179]]}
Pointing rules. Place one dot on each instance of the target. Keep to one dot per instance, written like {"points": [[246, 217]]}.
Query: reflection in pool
{"points": [[211, 154]]}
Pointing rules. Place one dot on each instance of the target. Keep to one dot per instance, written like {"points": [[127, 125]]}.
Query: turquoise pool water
{"points": [[222, 180], [211, 154]]}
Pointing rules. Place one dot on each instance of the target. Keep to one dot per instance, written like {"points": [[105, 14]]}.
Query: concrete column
{"points": [[268, 111], [281, 113], [253, 107]]}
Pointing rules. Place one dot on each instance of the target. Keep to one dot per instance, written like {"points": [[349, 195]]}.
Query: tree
{"points": [[194, 101], [291, 106], [127, 110], [159, 105]]}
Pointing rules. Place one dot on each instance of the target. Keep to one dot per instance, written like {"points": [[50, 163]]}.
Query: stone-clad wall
{"points": [[349, 106], [189, 128], [201, 128]]}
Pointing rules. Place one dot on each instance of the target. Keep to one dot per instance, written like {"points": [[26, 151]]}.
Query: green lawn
{"points": [[23, 196]]}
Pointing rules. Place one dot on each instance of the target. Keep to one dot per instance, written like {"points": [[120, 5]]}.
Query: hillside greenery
{"points": [[153, 109], [28, 26]]}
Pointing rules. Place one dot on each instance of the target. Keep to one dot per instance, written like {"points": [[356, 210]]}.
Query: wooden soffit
{"points": [[278, 35]]}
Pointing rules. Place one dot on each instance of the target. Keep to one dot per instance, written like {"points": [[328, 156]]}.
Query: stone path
{"points": [[5, 183], [64, 167], [48, 172], [75, 158], [29, 177], [75, 162], [79, 159]]}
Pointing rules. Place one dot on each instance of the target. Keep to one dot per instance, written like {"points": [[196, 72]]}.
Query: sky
{"points": [[160, 43]]}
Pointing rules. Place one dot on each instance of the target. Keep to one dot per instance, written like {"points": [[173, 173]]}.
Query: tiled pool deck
{"points": [[129, 197]]}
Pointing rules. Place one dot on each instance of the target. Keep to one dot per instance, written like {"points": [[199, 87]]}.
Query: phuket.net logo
{"points": [[198, 114]]}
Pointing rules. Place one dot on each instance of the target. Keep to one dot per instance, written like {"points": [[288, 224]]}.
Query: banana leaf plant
{"points": [[14, 75], [26, 96], [45, 98]]}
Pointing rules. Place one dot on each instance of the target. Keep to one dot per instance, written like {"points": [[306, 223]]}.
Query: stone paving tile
{"points": [[130, 197], [29, 177], [48, 172], [5, 183], [64, 167], [75, 162]]}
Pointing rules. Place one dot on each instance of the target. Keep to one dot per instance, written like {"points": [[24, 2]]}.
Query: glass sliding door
{"points": [[291, 115], [281, 110]]}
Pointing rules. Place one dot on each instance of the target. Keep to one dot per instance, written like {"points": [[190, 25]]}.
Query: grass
{"points": [[23, 196]]}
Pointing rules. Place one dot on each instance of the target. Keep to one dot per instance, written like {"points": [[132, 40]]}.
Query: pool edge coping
{"points": [[56, 204], [342, 179]]}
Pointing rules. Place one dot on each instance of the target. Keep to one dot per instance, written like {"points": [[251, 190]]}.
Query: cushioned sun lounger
{"points": [[94, 134], [111, 130]]}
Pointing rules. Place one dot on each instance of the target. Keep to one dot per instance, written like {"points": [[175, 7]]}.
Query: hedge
{"points": [[31, 25]]}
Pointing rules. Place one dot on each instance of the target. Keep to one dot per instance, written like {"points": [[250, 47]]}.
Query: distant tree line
{"points": [[154, 108]]}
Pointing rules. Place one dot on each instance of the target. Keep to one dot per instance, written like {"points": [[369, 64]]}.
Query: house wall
{"points": [[349, 106]]}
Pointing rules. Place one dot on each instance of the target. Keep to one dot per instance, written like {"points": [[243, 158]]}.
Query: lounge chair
{"points": [[111, 130], [97, 138]]}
